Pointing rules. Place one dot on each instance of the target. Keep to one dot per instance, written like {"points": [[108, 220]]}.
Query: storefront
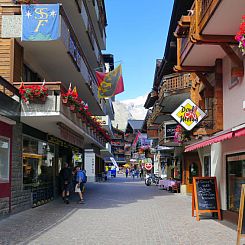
{"points": [[5, 165], [38, 166], [235, 178]]}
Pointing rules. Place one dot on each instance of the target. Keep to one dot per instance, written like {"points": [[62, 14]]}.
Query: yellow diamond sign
{"points": [[188, 114]]}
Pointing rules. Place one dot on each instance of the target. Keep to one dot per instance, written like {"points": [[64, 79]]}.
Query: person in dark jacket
{"points": [[65, 181]]}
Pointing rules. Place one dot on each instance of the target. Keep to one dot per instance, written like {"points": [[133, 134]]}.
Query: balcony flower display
{"points": [[78, 106], [240, 36], [33, 93]]}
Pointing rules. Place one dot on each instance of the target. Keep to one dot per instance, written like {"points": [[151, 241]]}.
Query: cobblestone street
{"points": [[121, 211]]}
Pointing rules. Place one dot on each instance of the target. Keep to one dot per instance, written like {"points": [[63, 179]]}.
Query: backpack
{"points": [[81, 175], [84, 177]]}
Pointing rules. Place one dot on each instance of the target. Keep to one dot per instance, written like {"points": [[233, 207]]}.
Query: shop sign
{"points": [[188, 114], [148, 166], [170, 130]]}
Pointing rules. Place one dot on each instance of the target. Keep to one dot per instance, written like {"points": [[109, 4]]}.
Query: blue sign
{"points": [[40, 22]]}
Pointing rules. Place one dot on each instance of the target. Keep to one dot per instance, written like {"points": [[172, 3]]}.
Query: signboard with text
{"points": [[188, 114], [170, 130]]}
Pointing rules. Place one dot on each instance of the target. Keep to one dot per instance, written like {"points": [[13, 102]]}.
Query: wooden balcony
{"points": [[173, 84], [210, 22]]}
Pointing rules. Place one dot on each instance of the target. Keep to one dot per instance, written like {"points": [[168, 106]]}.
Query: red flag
{"points": [[74, 92], [111, 83], [136, 139], [69, 90]]}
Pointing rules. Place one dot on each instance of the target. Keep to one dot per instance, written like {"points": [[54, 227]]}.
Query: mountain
{"points": [[129, 109]]}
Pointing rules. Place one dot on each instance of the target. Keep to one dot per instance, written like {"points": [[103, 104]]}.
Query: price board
{"points": [[205, 197]]}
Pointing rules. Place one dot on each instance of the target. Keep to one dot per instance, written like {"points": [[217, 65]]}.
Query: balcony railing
{"points": [[174, 83], [54, 106], [10, 100]]}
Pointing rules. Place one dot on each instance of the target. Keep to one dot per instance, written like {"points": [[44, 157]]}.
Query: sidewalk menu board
{"points": [[205, 197], [241, 218]]}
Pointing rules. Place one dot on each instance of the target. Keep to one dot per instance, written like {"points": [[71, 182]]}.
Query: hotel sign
{"points": [[188, 114]]}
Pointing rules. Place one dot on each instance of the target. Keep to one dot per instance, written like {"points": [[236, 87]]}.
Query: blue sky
{"points": [[136, 36]]}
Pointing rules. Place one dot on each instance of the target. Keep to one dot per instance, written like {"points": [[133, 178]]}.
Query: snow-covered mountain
{"points": [[129, 109]]}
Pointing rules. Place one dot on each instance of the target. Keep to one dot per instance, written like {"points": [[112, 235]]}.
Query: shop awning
{"points": [[214, 139], [240, 132]]}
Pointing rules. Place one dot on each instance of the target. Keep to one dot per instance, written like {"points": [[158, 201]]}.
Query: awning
{"points": [[210, 141], [240, 132]]}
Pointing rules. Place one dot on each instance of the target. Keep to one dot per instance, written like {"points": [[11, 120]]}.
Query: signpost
{"points": [[205, 198], [241, 218]]}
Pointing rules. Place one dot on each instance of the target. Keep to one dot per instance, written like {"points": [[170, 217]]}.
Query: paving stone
{"points": [[120, 211]]}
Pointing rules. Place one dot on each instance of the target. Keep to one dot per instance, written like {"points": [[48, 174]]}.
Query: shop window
{"points": [[207, 165], [4, 159], [38, 160], [235, 179]]}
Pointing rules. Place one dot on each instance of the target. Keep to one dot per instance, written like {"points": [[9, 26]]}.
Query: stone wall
{"points": [[20, 199], [4, 206]]}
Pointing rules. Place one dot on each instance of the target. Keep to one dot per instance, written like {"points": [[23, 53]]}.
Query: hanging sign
{"points": [[205, 197], [188, 114], [148, 166]]}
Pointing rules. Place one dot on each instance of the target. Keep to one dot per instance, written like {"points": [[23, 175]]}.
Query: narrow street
{"points": [[120, 211]]}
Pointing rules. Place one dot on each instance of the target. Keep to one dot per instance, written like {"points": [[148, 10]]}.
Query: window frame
{"points": [[2, 181]]}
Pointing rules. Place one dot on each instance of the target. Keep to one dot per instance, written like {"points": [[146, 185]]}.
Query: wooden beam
{"points": [[232, 55], [214, 39], [193, 68], [204, 80]]}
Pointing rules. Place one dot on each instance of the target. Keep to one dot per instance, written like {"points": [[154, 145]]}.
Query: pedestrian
{"points": [[81, 179], [141, 173], [65, 181], [126, 172], [137, 173], [133, 173]]}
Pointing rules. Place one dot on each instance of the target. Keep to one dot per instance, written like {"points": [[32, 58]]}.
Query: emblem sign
{"points": [[188, 114]]}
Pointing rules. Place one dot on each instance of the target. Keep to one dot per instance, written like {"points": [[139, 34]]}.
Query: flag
{"points": [[40, 22], [136, 139], [74, 92], [69, 92], [111, 83], [22, 85]]}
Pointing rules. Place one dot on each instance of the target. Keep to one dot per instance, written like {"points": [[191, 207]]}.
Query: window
{"points": [[235, 179], [4, 159], [207, 166]]}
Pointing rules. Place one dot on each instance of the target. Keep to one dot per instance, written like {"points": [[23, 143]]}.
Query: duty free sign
{"points": [[188, 114]]}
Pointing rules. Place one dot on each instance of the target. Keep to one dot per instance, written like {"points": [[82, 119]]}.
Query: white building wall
{"points": [[233, 97]]}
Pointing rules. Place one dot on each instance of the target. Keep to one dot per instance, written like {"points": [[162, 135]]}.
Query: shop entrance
{"points": [[193, 169]]}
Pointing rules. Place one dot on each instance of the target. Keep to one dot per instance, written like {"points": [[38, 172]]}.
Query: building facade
{"points": [[57, 128]]}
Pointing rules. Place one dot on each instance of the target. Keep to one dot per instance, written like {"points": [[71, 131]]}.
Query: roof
{"points": [[180, 8], [134, 125], [171, 103]]}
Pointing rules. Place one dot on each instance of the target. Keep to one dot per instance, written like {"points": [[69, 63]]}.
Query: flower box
{"points": [[73, 108], [36, 100]]}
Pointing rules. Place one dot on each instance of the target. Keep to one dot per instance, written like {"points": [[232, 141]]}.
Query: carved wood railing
{"points": [[174, 83]]}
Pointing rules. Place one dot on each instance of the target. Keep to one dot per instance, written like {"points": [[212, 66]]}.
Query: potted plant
{"points": [[240, 36], [33, 93]]}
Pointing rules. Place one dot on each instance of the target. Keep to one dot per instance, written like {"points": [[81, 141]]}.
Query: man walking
{"points": [[81, 179], [65, 182]]}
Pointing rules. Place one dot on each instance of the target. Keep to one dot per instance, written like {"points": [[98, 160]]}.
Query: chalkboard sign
{"points": [[241, 218], [205, 197]]}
